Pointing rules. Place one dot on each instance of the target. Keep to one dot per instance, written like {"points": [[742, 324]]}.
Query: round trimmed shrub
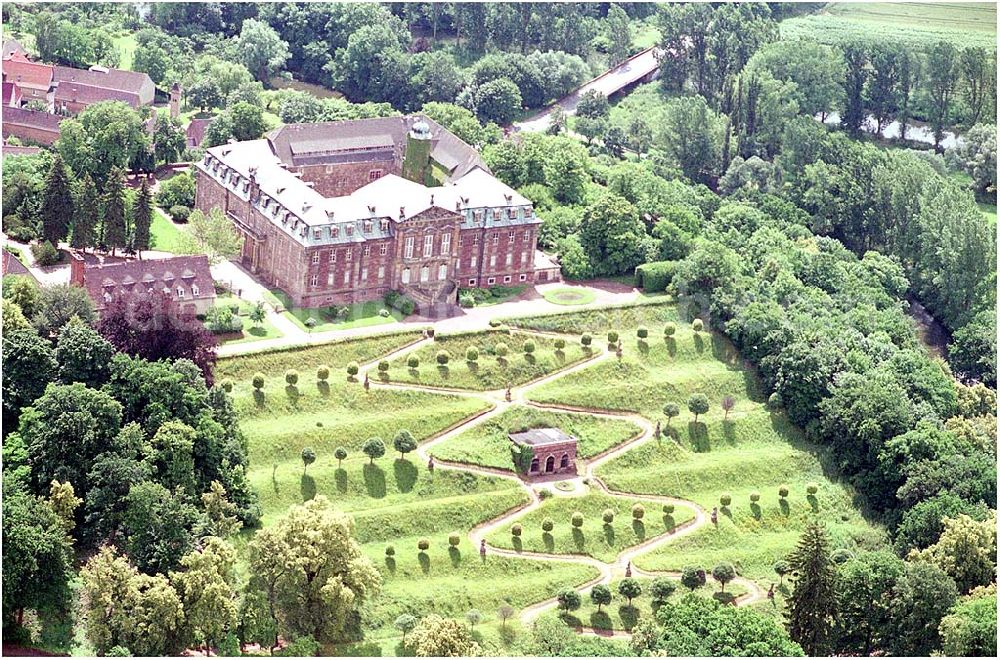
{"points": [[323, 372], [544, 494], [258, 381], [613, 337], [668, 509], [291, 376], [697, 325], [812, 489], [638, 511], [577, 519], [755, 497], [548, 525], [774, 401], [608, 516], [586, 339], [841, 556], [413, 362], [383, 366], [500, 350], [454, 539], [352, 368], [559, 344], [782, 492], [516, 529], [669, 329], [726, 499], [389, 551], [442, 357], [529, 347], [642, 332], [226, 385], [423, 545], [472, 354], [494, 323]]}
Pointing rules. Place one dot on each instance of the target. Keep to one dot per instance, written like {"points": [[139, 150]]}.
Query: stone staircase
{"points": [[434, 300]]}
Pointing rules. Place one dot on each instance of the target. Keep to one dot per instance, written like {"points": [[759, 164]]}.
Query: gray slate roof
{"points": [[541, 437]]}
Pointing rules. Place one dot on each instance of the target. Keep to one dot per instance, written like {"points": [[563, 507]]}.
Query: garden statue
{"points": [[715, 516], [770, 593], [507, 395], [628, 569], [482, 548], [657, 433], [430, 464], [367, 382]]}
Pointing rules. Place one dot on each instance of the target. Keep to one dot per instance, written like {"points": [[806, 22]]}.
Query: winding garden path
{"points": [[607, 571]]}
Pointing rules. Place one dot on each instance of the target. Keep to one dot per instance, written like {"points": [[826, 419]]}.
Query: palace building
{"points": [[341, 212]]}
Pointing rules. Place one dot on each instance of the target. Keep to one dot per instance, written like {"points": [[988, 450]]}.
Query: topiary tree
{"points": [[774, 402], [442, 357], [322, 373], [548, 525], [754, 496], [454, 539], [516, 529], [352, 369], [383, 366], [693, 577], [423, 545], [373, 448], [608, 516], [308, 458], [725, 499], [782, 568], [471, 354], [669, 329], [413, 362], [671, 410], [559, 343], [390, 551], [577, 519], [292, 377], [529, 347], [697, 325], [723, 573], [668, 509], [782, 491], [340, 454], [226, 385], [638, 511], [600, 595], [612, 337], [661, 589], [501, 350], [505, 611], [586, 339], [629, 588], [812, 488], [728, 403], [698, 404], [404, 623], [569, 600], [404, 443], [473, 617], [642, 332]]}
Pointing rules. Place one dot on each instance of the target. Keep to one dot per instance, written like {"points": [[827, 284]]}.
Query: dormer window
{"points": [[384, 225], [527, 211], [180, 293], [195, 291], [317, 234], [350, 230], [478, 216], [511, 213], [367, 226]]}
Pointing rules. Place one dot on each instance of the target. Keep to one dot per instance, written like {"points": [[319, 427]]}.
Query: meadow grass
{"points": [[569, 296], [251, 333], [653, 314], [489, 372], [619, 615], [906, 23], [307, 359], [487, 443], [594, 538]]}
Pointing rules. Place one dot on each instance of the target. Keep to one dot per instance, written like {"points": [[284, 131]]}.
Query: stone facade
{"points": [[344, 232]]}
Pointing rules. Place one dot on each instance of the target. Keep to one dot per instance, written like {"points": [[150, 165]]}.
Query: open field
{"points": [[487, 443], [595, 537], [490, 371], [906, 23]]}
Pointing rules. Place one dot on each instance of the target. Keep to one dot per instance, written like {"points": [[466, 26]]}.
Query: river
{"points": [[931, 332], [916, 131]]}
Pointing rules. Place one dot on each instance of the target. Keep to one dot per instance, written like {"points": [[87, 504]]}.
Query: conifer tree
{"points": [[57, 203], [142, 218], [812, 605], [86, 214], [115, 232]]}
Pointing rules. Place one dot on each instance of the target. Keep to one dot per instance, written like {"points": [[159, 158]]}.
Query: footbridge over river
{"points": [[641, 67]]}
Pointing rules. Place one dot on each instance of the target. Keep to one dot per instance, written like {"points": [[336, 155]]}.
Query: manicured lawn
{"points": [[492, 295], [489, 372], [167, 236], [905, 23], [594, 538], [359, 315], [569, 296], [653, 315], [487, 443], [252, 333], [335, 355], [989, 212]]}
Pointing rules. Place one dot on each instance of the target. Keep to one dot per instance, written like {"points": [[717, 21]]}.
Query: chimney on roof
{"points": [[402, 212], [432, 199], [329, 214], [508, 198], [305, 207]]}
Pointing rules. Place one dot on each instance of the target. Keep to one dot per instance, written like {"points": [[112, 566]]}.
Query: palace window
{"points": [[367, 250], [461, 240], [446, 244], [347, 276], [523, 277], [384, 225], [383, 248], [473, 261], [472, 281], [527, 234], [442, 272], [506, 279], [408, 248], [406, 276], [493, 261], [180, 292], [428, 245], [195, 292], [510, 238], [374, 174], [333, 256], [329, 278], [348, 253], [364, 274], [425, 273], [511, 213], [496, 237], [381, 272], [349, 229], [317, 234], [509, 259], [524, 258], [366, 226], [314, 280], [491, 281], [315, 258]]}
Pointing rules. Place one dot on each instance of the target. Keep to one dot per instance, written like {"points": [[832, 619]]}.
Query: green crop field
{"points": [[595, 537], [490, 371], [906, 23], [487, 443]]}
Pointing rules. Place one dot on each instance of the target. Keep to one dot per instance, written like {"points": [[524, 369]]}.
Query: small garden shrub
{"points": [[389, 551], [613, 337], [608, 516], [586, 339], [501, 349], [668, 509], [726, 499], [559, 344], [669, 329], [516, 529], [383, 366], [423, 545], [258, 381], [442, 357], [352, 368], [548, 525], [323, 373], [812, 489], [755, 497], [642, 332], [577, 519], [472, 354], [413, 362], [291, 377], [697, 325], [529, 347], [454, 539], [638, 511], [782, 492]]}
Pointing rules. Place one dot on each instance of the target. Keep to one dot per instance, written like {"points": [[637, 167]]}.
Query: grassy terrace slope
{"points": [[487, 443], [595, 538], [754, 450], [490, 371], [908, 23]]}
